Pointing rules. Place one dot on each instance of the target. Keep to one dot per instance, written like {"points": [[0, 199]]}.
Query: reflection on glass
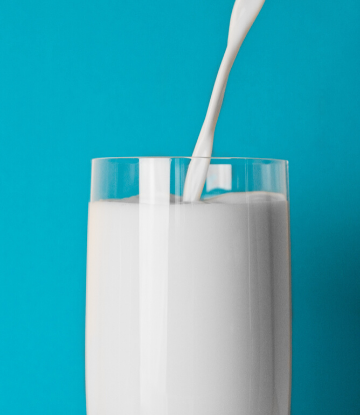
{"points": [[219, 176]]}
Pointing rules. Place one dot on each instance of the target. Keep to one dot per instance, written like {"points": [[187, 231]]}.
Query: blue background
{"points": [[82, 79]]}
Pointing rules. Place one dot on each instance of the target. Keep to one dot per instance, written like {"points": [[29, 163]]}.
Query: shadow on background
{"points": [[326, 314]]}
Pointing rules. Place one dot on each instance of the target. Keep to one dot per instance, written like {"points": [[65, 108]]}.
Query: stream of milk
{"points": [[243, 16]]}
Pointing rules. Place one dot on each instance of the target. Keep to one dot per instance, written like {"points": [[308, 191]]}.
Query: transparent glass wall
{"points": [[188, 304]]}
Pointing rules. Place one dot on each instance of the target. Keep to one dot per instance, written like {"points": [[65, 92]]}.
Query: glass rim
{"points": [[190, 157]]}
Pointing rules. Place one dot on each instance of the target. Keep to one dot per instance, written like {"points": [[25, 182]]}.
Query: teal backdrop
{"points": [[87, 78]]}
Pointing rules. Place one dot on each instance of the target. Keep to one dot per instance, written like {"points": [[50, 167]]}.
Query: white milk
{"points": [[242, 17], [188, 307]]}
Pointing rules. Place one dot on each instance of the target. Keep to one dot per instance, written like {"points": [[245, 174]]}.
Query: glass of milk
{"points": [[188, 305]]}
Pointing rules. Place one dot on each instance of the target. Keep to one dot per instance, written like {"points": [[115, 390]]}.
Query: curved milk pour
{"points": [[243, 16]]}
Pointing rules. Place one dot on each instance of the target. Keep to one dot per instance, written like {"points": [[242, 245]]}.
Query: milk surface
{"points": [[188, 307]]}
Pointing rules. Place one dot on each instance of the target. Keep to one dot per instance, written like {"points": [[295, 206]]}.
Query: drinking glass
{"points": [[188, 305]]}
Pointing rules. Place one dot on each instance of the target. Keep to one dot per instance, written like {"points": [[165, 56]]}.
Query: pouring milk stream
{"points": [[243, 16]]}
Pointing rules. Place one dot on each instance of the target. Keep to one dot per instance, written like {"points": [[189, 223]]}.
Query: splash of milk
{"points": [[243, 16]]}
